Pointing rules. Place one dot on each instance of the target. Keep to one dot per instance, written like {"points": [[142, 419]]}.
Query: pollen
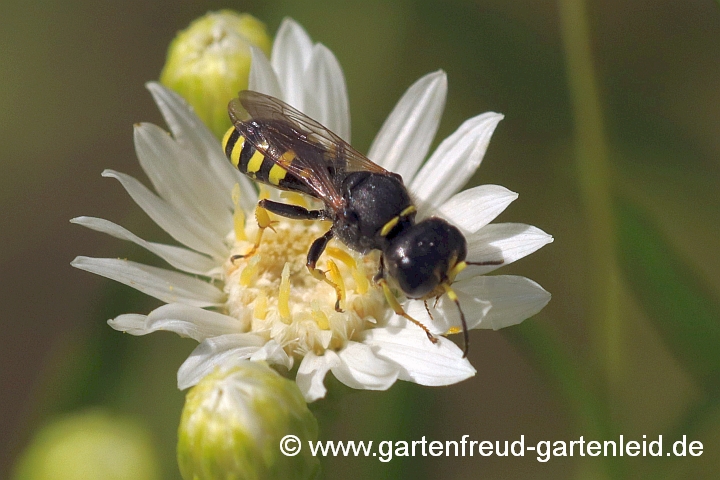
{"points": [[273, 294]]}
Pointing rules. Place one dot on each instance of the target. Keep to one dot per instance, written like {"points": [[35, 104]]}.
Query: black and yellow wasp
{"points": [[370, 207]]}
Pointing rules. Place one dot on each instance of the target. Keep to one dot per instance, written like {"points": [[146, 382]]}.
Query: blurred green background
{"points": [[617, 158]]}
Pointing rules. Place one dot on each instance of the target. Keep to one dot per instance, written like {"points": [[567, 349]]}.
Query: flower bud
{"points": [[90, 445], [233, 423], [209, 63]]}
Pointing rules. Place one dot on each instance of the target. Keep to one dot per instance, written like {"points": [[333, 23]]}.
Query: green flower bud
{"points": [[233, 423], [209, 63], [87, 446]]}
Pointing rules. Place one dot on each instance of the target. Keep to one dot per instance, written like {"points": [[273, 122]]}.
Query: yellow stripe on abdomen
{"points": [[255, 162], [237, 150], [226, 137], [232, 144], [277, 173]]}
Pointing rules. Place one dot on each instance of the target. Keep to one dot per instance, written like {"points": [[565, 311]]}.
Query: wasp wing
{"points": [[321, 157]]}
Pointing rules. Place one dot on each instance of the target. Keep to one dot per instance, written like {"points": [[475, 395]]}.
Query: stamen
{"points": [[238, 215], [250, 272], [337, 280], [260, 309], [319, 316], [294, 198], [284, 295], [362, 285], [356, 269]]}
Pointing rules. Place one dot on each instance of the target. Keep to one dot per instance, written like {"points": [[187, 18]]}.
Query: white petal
{"points": [[181, 180], [131, 323], [404, 139], [455, 160], [290, 57], [262, 75], [326, 98], [186, 321], [311, 374], [180, 258], [502, 241], [488, 302], [472, 209], [422, 361], [362, 368], [225, 351], [273, 354], [162, 284], [442, 319], [201, 145], [181, 227]]}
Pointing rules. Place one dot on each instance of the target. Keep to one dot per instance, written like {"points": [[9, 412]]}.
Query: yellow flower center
{"points": [[272, 293]]}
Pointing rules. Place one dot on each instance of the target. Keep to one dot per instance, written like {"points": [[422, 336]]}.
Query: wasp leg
{"points": [[381, 271], [395, 305], [294, 212], [263, 221], [316, 249]]}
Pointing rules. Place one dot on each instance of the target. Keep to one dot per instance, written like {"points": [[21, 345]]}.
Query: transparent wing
{"points": [[322, 159]]}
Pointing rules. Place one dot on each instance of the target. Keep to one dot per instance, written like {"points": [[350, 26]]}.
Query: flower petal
{"points": [[225, 351], [502, 241], [181, 227], [262, 76], [404, 139], [420, 360], [273, 353], [197, 140], [290, 57], [326, 98], [132, 323], [495, 302], [190, 322], [179, 180], [180, 258], [311, 374], [162, 284], [362, 368], [455, 160], [472, 209]]}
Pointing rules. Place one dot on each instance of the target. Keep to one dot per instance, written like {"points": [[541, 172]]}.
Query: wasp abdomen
{"points": [[257, 166]]}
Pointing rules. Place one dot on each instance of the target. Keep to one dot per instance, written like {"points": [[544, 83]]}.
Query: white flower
{"points": [[267, 306]]}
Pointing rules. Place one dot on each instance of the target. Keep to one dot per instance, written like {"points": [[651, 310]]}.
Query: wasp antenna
{"points": [[466, 337], [487, 262]]}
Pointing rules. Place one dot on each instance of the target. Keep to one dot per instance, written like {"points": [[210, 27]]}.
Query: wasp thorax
{"points": [[272, 293], [420, 257]]}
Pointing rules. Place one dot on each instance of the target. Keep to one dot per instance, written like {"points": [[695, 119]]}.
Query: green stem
{"points": [[593, 175]]}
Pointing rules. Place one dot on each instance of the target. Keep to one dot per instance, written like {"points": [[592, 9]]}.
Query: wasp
{"points": [[369, 207]]}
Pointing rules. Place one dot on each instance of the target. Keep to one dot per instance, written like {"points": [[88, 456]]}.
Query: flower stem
{"points": [[593, 175]]}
